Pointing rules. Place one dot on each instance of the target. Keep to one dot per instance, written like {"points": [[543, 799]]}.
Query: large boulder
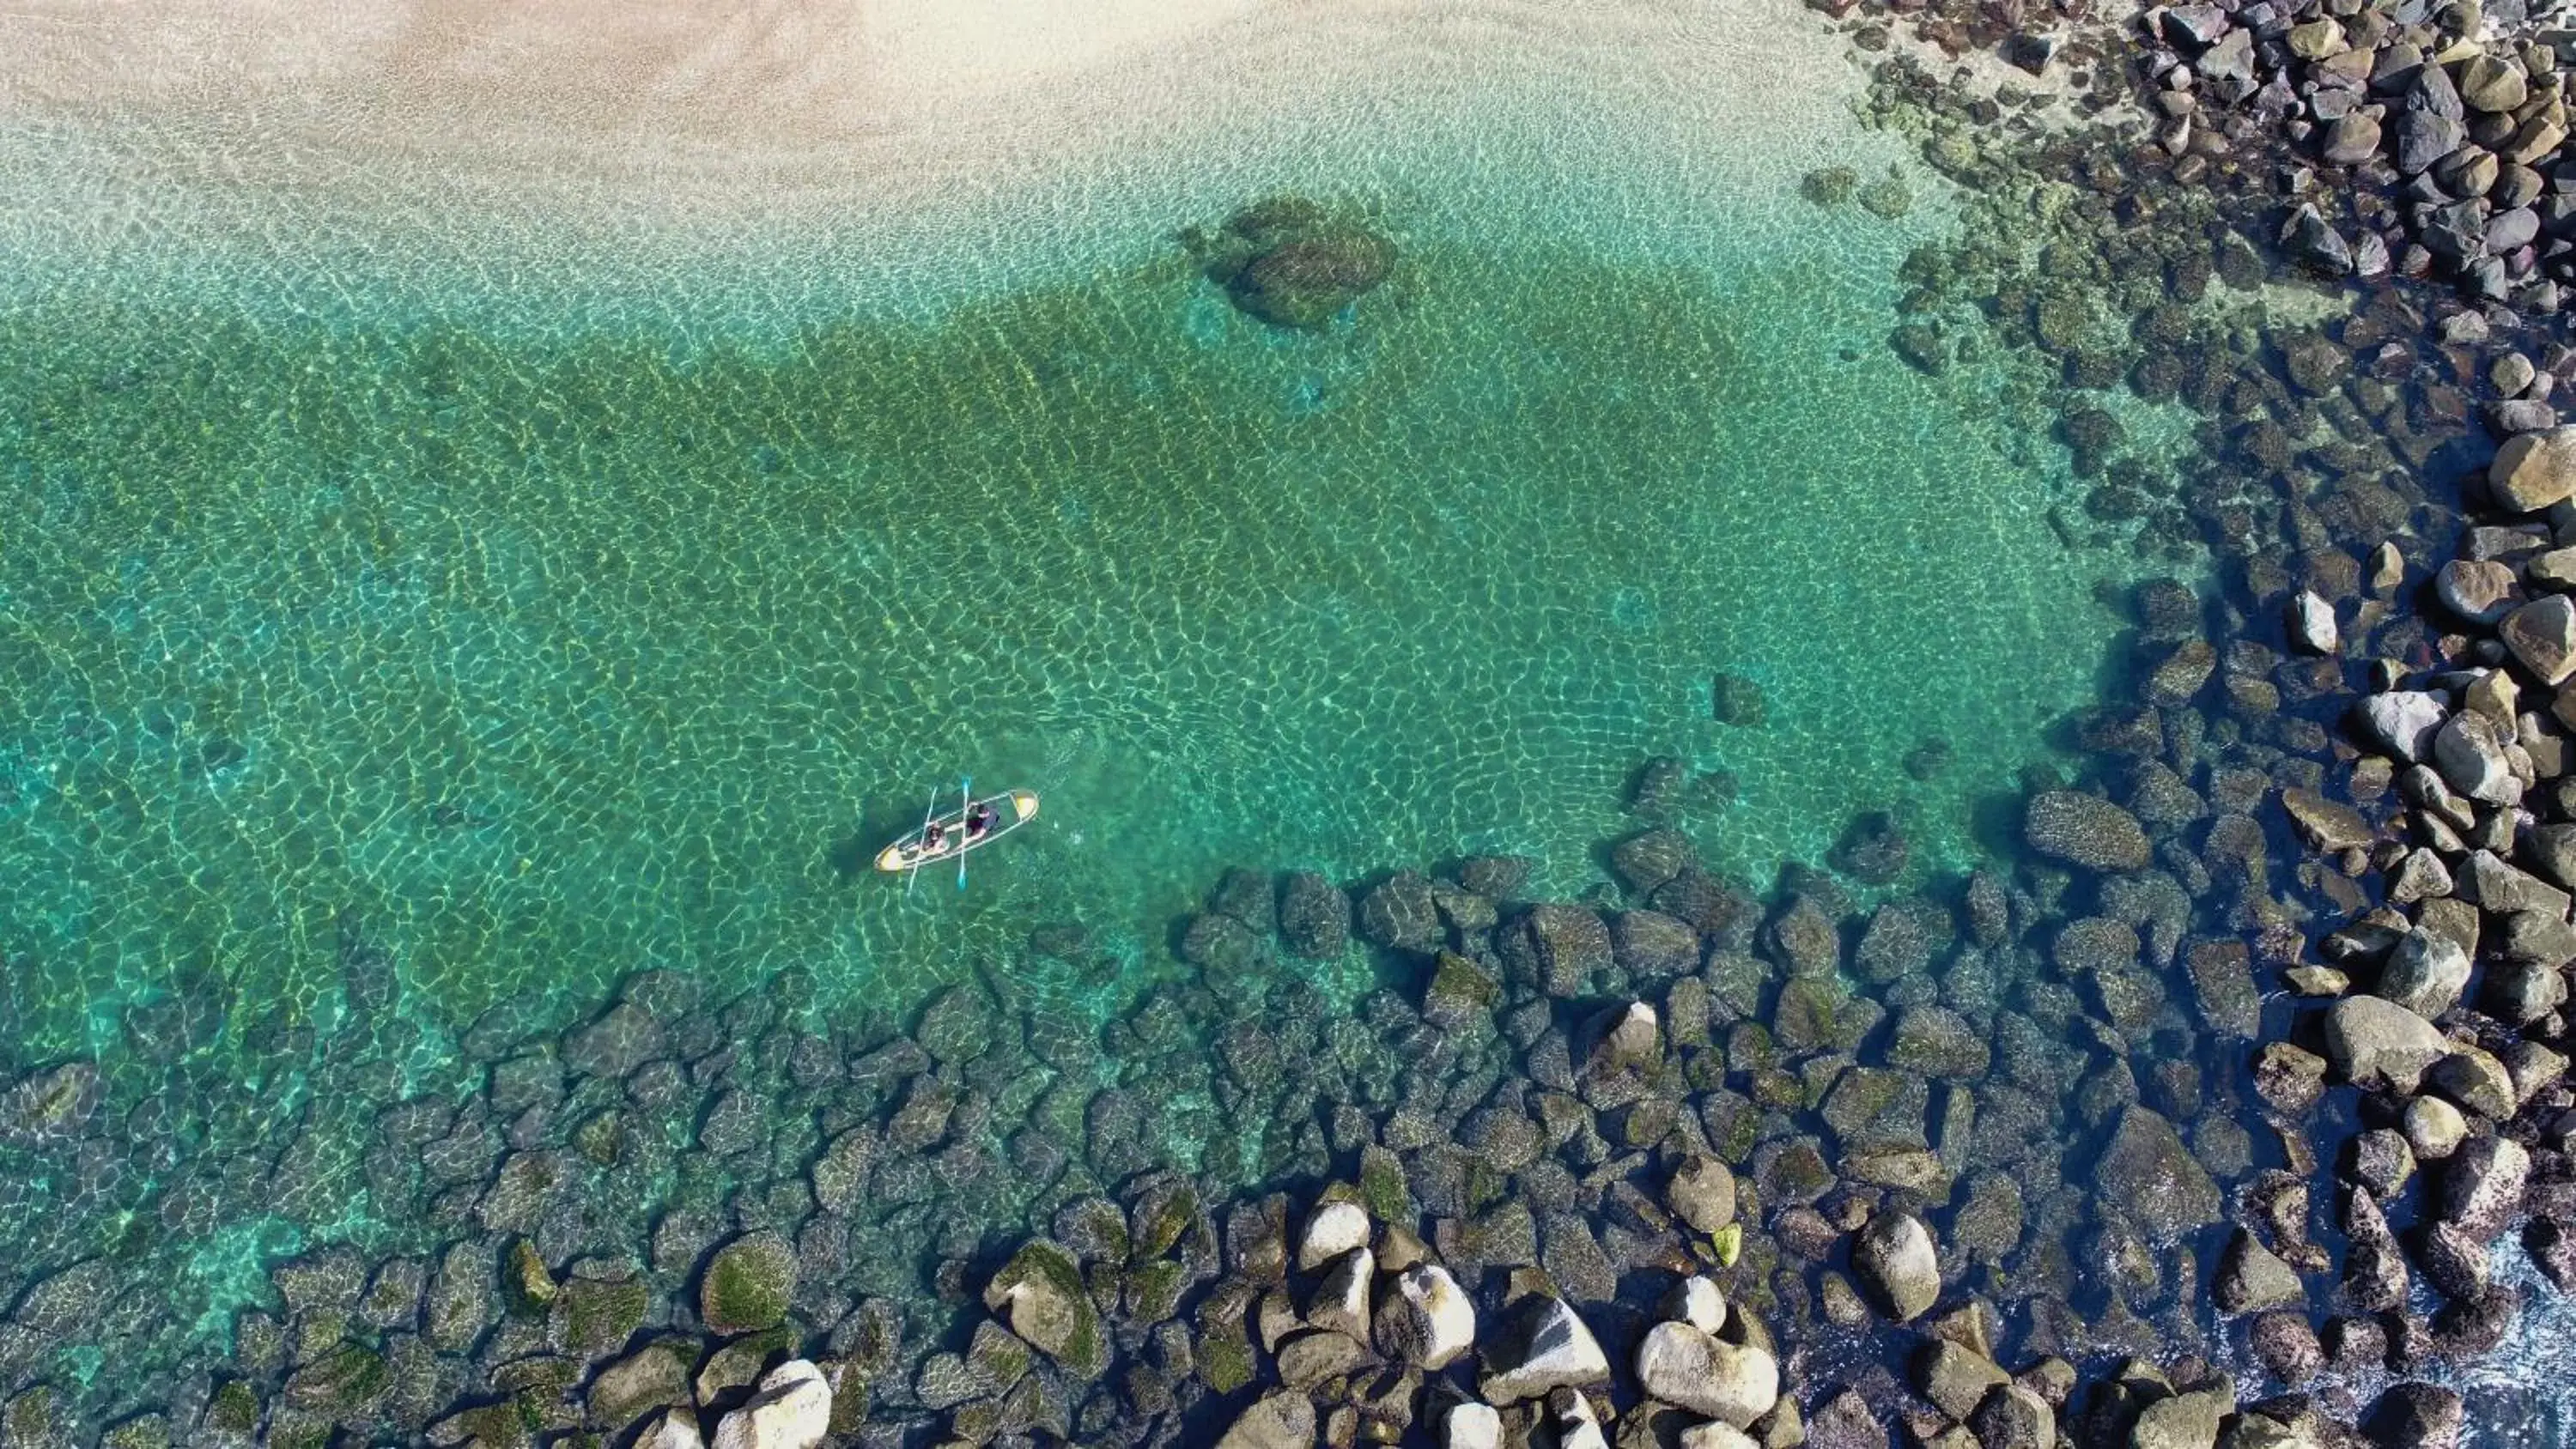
{"points": [[1284, 1419], [1681, 1365], [1556, 948], [49, 1105], [1400, 914], [792, 1410], [2374, 1042], [2533, 471], [1895, 1258], [1544, 1346], [1290, 263], [2425, 973], [1703, 1192], [2084, 830], [1314, 916], [1042, 1291], [1425, 1319], [2542, 634], [2148, 1170], [2481, 1186], [748, 1285]]}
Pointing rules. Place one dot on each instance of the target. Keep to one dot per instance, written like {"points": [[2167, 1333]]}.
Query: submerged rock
{"points": [[748, 1284], [1290, 263], [2084, 830], [2147, 1169]]}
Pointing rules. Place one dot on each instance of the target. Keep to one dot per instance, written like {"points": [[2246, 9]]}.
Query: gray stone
{"points": [[2375, 1042], [2542, 634], [1545, 1346], [1681, 1365], [2084, 830], [2481, 591], [2185, 1421], [2405, 721], [1894, 1256], [2425, 975], [2481, 1186], [2252, 1278], [1282, 1419], [2147, 1167], [2469, 751]]}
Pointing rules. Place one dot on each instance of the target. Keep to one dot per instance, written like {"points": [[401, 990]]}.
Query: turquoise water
{"points": [[534, 650]]}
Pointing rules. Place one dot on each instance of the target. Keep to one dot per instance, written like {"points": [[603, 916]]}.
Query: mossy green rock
{"points": [[739, 1364], [341, 1382], [143, 1431], [600, 1316], [1042, 1291], [749, 1285], [1154, 1291], [234, 1408], [490, 1426], [1383, 1189], [30, 1417], [525, 1280]]}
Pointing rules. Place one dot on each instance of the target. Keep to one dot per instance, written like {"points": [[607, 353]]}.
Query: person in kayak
{"points": [[934, 839], [979, 821]]}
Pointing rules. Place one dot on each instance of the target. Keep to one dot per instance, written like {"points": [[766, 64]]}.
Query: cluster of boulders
{"points": [[2445, 128], [2449, 995], [1352, 1329]]}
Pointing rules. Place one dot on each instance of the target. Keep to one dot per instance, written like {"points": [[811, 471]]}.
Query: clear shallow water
{"points": [[534, 653]]}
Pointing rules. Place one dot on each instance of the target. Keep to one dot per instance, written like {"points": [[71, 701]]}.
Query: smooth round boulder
{"points": [[1895, 1258]]}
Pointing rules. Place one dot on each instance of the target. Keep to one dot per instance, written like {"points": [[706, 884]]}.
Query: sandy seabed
{"points": [[899, 130]]}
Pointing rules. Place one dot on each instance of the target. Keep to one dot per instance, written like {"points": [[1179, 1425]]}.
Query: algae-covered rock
{"points": [[600, 1316], [647, 1379], [1042, 1292], [525, 1280], [749, 1284], [1292, 263], [49, 1105], [233, 1408], [342, 1382]]}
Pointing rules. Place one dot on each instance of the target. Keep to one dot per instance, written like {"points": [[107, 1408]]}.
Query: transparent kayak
{"points": [[1011, 810]]}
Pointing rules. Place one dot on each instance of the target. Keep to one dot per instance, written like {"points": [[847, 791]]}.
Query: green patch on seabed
{"points": [[525, 661]]}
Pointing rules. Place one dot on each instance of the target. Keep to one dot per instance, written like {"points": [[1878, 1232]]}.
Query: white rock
{"points": [[1549, 1347], [2312, 623], [1472, 1426], [1717, 1436], [1577, 1426], [2405, 720], [1696, 1301], [793, 1410], [1426, 1319], [677, 1429], [1681, 1365], [1282, 1419], [1335, 1229], [1342, 1302]]}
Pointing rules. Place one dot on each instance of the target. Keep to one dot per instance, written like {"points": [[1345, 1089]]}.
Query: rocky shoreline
{"points": [[2206, 1120]]}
